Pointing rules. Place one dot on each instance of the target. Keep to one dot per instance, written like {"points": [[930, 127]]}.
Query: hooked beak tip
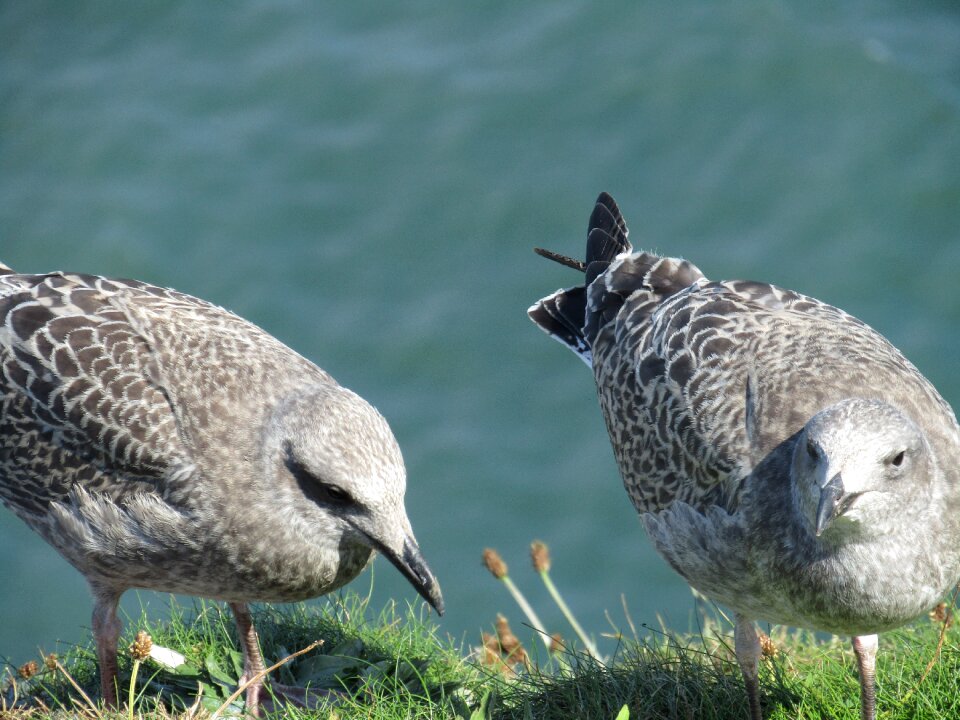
{"points": [[415, 569]]}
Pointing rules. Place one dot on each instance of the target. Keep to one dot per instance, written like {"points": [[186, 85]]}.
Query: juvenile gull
{"points": [[160, 442], [784, 457]]}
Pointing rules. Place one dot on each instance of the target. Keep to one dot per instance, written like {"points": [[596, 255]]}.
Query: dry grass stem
{"points": [[540, 555], [945, 616], [262, 674], [90, 706], [498, 568]]}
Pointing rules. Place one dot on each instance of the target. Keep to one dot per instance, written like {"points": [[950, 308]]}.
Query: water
{"points": [[366, 181]]}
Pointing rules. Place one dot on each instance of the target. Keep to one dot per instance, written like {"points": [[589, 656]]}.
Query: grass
{"points": [[383, 666], [669, 676], [392, 665]]}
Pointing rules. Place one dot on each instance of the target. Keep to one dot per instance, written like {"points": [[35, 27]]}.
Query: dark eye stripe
{"points": [[315, 488], [337, 493]]}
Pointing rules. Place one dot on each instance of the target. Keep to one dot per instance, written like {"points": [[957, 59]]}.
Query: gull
{"points": [[785, 458], [160, 442]]}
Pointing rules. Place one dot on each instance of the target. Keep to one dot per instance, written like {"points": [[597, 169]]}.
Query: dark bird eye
{"points": [[812, 450], [897, 460], [315, 488], [336, 494]]}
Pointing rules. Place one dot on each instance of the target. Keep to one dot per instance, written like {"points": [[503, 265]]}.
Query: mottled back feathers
{"points": [[91, 370], [699, 380]]}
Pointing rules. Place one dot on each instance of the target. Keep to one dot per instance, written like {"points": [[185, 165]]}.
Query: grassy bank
{"points": [[392, 664]]}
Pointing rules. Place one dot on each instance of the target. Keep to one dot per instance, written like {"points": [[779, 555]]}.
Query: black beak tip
{"points": [[414, 567], [437, 602]]}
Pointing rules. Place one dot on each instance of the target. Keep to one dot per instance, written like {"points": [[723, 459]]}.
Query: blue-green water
{"points": [[366, 181]]}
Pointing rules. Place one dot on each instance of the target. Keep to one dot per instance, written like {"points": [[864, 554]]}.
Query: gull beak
{"points": [[410, 562], [831, 497]]}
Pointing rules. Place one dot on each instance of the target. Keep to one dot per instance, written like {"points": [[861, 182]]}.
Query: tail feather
{"points": [[575, 316], [606, 216], [606, 236]]}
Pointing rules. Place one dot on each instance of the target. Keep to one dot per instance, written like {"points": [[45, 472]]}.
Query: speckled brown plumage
{"points": [[711, 391], [161, 442]]}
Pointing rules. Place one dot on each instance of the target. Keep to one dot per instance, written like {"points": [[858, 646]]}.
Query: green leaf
{"points": [[411, 670], [377, 670], [458, 707], [482, 713], [187, 670], [236, 659], [352, 648], [217, 673], [624, 713], [324, 670], [234, 709]]}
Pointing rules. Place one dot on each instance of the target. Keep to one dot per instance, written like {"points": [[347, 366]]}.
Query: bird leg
{"points": [[746, 644], [253, 665], [865, 648], [252, 659], [106, 633]]}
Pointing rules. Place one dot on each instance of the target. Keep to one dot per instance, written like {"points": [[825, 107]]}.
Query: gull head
{"points": [[339, 460], [859, 466]]}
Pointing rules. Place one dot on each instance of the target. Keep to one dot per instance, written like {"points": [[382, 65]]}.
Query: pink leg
{"points": [[253, 664], [106, 633], [252, 659], [865, 648], [746, 644]]}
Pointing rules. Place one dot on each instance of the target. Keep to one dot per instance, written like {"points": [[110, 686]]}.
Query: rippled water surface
{"points": [[366, 181]]}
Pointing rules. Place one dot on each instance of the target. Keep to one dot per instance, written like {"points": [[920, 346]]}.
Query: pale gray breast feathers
{"points": [[698, 386]]}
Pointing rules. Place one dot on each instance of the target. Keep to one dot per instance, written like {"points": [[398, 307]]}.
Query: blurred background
{"points": [[366, 181]]}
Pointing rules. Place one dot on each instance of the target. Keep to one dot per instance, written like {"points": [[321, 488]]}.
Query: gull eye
{"points": [[897, 460], [336, 494], [315, 488]]}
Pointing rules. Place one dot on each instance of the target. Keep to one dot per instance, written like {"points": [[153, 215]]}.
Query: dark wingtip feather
{"points": [[607, 231], [563, 315]]}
